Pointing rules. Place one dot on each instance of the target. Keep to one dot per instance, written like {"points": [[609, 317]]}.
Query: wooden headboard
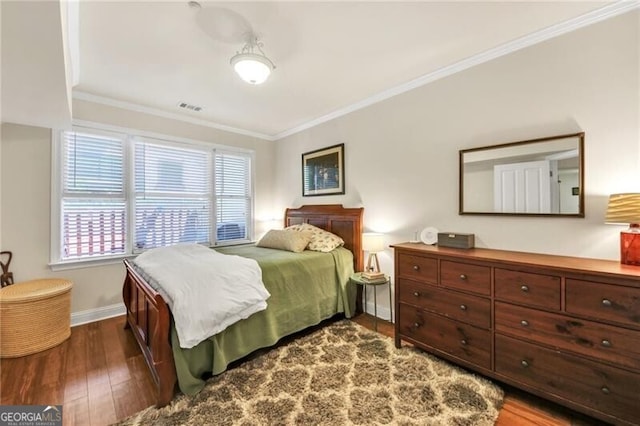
{"points": [[344, 222]]}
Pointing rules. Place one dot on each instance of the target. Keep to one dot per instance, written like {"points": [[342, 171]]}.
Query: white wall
{"points": [[25, 172], [402, 154], [34, 83]]}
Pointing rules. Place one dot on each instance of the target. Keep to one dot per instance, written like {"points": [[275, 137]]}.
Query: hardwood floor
{"points": [[100, 377]]}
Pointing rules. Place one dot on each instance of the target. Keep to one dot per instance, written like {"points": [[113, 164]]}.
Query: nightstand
{"points": [[357, 279]]}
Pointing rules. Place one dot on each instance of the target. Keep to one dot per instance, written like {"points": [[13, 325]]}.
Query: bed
{"points": [[150, 320]]}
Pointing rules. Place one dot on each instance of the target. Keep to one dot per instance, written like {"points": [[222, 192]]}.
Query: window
{"points": [[172, 195], [121, 194], [93, 195], [233, 195]]}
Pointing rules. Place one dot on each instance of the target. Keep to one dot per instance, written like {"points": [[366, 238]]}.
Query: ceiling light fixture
{"points": [[251, 64]]}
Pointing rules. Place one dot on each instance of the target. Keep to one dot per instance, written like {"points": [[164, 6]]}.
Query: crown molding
{"points": [[84, 96], [598, 15], [556, 30]]}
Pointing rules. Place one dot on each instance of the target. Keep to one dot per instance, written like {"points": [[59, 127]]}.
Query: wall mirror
{"points": [[538, 177]]}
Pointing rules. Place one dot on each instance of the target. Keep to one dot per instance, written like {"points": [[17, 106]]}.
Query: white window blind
{"points": [[172, 194], [93, 202], [119, 194], [233, 196]]}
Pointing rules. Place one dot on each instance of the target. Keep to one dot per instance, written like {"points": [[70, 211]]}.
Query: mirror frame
{"points": [[581, 207]]}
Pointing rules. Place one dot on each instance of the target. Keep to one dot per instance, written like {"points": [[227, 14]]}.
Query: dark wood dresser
{"points": [[563, 328]]}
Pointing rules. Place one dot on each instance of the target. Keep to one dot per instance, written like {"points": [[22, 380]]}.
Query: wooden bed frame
{"points": [[149, 317]]}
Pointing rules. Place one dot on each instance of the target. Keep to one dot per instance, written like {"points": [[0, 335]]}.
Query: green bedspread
{"points": [[305, 289]]}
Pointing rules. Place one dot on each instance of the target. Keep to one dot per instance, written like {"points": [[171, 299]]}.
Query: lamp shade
{"points": [[623, 208], [251, 64], [251, 67], [372, 242]]}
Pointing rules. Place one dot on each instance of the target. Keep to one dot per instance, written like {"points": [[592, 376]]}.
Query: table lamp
{"points": [[373, 243], [625, 209]]}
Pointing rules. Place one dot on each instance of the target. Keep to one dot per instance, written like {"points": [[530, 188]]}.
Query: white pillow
{"points": [[285, 240], [321, 240]]}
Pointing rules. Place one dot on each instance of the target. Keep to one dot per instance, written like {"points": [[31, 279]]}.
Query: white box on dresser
{"points": [[564, 328]]}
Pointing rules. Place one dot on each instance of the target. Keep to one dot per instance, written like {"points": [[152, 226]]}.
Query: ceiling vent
{"points": [[190, 107]]}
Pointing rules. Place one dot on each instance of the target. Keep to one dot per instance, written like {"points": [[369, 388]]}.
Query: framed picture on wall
{"points": [[323, 171]]}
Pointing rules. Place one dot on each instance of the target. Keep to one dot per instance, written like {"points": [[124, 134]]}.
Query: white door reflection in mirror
{"points": [[523, 187]]}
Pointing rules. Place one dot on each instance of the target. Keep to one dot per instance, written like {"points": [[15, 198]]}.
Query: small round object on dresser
{"points": [[429, 235]]}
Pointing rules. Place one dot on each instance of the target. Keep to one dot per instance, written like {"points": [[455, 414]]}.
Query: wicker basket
{"points": [[34, 316]]}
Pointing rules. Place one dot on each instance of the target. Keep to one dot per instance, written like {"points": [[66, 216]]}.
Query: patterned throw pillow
{"points": [[285, 240], [321, 240]]}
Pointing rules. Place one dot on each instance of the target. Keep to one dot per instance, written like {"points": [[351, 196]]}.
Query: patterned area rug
{"points": [[342, 374]]}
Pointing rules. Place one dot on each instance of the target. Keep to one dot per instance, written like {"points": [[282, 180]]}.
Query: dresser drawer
{"points": [[463, 307], [460, 340], [527, 288], [418, 268], [467, 277], [596, 386], [606, 342], [604, 301]]}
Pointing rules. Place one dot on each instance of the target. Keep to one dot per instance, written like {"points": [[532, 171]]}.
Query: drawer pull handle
{"points": [[524, 323], [463, 342], [524, 288], [416, 294], [416, 325], [606, 302], [463, 307], [463, 277], [416, 268], [606, 343], [524, 363], [605, 390]]}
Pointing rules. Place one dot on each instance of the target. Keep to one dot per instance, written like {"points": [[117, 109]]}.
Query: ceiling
{"points": [[331, 57], [35, 87]]}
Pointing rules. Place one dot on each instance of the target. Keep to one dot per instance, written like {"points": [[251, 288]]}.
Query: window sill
{"points": [[88, 263], [233, 243], [64, 265]]}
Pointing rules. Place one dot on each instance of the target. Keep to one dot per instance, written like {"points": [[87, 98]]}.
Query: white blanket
{"points": [[208, 290]]}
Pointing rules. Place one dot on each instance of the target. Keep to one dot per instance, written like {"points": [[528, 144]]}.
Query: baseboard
{"points": [[383, 312], [93, 315]]}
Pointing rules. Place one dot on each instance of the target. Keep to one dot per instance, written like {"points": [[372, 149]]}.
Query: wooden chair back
{"points": [[7, 277]]}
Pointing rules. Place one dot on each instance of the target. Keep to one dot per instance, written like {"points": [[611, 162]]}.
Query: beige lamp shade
{"points": [[623, 208], [372, 242]]}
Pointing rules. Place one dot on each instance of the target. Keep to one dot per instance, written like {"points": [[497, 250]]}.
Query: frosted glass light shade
{"points": [[251, 67], [372, 242]]}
